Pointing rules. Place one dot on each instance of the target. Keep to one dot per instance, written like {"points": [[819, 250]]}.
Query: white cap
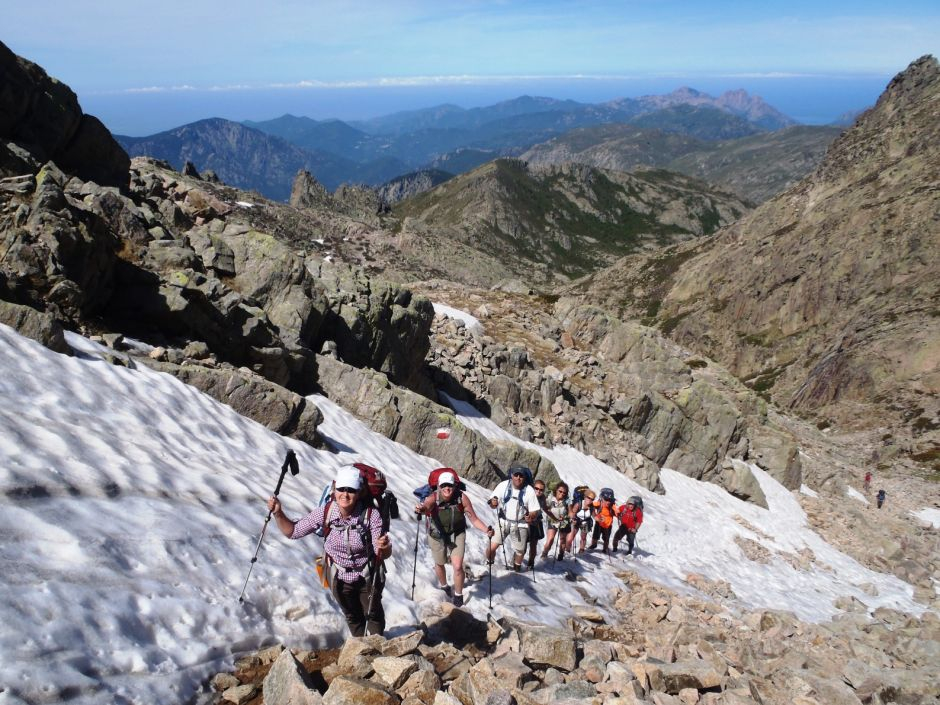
{"points": [[446, 478], [348, 477]]}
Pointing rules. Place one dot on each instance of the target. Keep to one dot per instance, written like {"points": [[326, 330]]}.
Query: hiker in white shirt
{"points": [[517, 505]]}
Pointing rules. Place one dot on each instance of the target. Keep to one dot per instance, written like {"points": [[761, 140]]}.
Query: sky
{"points": [[141, 66], [131, 504]]}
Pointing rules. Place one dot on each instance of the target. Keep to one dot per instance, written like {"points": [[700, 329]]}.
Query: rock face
{"points": [[413, 420], [41, 120], [616, 390], [824, 296], [376, 325], [411, 184]]}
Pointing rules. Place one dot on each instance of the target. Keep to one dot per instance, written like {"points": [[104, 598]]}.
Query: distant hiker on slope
{"points": [[516, 506], [354, 544], [558, 515], [866, 485], [448, 509], [603, 515], [537, 527], [630, 515], [880, 497], [581, 509]]}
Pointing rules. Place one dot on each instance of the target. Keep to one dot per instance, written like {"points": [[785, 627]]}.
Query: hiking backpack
{"points": [[425, 491], [607, 493], [579, 493], [375, 493], [637, 501]]}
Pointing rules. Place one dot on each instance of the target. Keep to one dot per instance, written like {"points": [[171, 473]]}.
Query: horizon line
{"points": [[471, 79]]}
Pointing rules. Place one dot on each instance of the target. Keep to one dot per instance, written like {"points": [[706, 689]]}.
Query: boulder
{"points": [[393, 671], [39, 326], [346, 690], [737, 478], [376, 325], [546, 646], [288, 683]]}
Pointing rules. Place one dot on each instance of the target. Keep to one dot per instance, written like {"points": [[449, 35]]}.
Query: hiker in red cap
{"points": [[448, 509]]}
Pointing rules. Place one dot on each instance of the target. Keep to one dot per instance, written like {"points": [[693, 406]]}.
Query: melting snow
{"points": [[132, 504]]}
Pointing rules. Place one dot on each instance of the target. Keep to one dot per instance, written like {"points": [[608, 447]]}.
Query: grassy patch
{"points": [[670, 324]]}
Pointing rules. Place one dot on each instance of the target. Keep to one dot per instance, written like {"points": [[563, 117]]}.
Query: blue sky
{"points": [[121, 48]]}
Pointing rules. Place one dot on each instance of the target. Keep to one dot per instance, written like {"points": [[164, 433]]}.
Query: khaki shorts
{"points": [[439, 551], [516, 534]]}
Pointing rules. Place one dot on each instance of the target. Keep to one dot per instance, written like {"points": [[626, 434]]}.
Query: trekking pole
{"points": [[380, 565], [414, 569], [290, 463], [489, 564]]}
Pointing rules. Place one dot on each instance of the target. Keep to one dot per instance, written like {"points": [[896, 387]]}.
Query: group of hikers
{"points": [[354, 514]]}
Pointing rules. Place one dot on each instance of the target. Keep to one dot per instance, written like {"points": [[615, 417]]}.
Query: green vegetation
{"points": [[764, 380], [670, 324]]}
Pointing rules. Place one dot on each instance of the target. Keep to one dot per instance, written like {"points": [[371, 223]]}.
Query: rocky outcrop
{"points": [[376, 325], [636, 401], [412, 184], [251, 395], [41, 120], [307, 192], [413, 420], [60, 253]]}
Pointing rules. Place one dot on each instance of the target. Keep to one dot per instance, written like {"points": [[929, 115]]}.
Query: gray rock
{"points": [[546, 646], [288, 683], [39, 326], [393, 671], [345, 690], [737, 478], [253, 396], [413, 420]]}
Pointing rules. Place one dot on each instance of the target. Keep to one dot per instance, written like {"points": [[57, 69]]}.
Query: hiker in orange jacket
{"points": [[603, 514]]}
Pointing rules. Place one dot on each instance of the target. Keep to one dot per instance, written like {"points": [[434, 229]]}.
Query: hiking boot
{"points": [[446, 589], [517, 567], [458, 600], [592, 547], [530, 564]]}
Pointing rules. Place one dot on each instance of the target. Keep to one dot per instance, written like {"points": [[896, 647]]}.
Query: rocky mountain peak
{"points": [[307, 192]]}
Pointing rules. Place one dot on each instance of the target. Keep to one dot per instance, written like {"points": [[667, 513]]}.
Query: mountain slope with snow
{"points": [[131, 505]]}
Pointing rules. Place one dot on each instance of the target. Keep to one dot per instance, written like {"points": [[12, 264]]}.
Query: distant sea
{"points": [[813, 100]]}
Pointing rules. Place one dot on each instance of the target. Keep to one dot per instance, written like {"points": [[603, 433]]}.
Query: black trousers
{"points": [[354, 599], [630, 535], [600, 531]]}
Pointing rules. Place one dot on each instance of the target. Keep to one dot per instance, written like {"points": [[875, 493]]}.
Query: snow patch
{"points": [[471, 322]]}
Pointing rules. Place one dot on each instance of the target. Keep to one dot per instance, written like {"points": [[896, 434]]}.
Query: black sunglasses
{"points": [[347, 490], [446, 485]]}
